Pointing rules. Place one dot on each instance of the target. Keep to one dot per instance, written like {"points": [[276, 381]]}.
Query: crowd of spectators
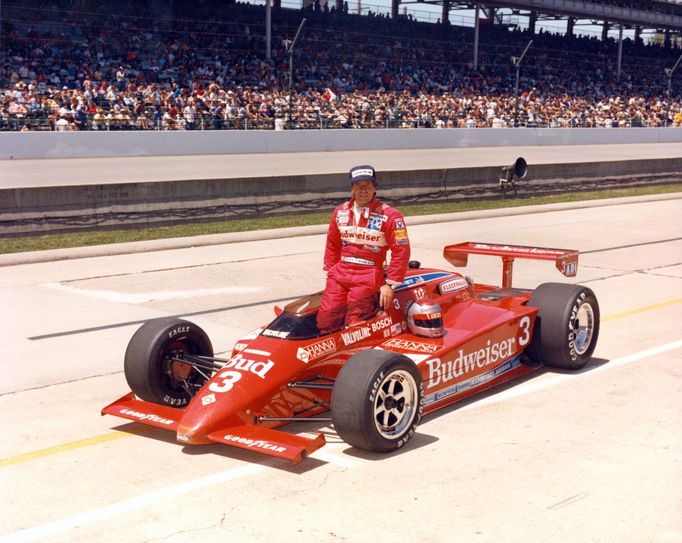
{"points": [[203, 65]]}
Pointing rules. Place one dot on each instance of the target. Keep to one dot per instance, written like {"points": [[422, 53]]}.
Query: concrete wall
{"points": [[23, 145], [53, 209]]}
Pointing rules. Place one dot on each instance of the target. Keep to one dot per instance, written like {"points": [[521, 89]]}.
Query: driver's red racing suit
{"points": [[354, 261]]}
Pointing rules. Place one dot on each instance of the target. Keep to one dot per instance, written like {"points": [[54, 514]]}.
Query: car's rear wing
{"points": [[565, 260]]}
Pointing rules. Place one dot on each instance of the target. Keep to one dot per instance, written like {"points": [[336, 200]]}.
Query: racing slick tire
{"points": [[377, 401], [567, 326], [150, 368]]}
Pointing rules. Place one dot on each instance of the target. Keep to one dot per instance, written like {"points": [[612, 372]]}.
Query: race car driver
{"points": [[361, 231]]}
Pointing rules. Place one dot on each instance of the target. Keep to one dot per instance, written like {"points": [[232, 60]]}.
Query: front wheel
{"points": [[567, 326], [153, 366], [377, 401]]}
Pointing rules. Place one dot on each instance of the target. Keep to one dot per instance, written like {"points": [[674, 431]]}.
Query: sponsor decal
{"points": [[362, 235], [342, 217], [407, 345], [519, 249], [473, 382], [354, 336], [316, 350], [442, 371], [240, 346], [208, 399], [257, 367], [275, 333], [374, 223], [381, 324], [400, 235], [399, 225], [179, 330], [257, 443], [422, 278], [177, 402], [145, 416], [453, 285], [359, 334], [363, 172], [569, 269], [571, 332], [356, 260], [234, 369], [396, 328]]}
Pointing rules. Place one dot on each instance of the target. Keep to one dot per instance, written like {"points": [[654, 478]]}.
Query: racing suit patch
{"points": [[356, 260], [400, 236], [374, 223], [342, 217]]}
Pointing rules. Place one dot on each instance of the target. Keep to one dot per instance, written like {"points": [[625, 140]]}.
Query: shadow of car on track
{"points": [[490, 394], [421, 438]]}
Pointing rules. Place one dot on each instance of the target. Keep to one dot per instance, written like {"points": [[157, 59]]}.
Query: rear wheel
{"points": [[152, 366], [377, 401], [567, 326]]}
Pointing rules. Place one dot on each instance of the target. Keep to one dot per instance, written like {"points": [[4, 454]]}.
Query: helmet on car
{"points": [[425, 318]]}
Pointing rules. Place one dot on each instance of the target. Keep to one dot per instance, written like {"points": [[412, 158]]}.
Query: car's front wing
{"points": [[246, 436]]}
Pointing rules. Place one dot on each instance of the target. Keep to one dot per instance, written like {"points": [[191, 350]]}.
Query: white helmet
{"points": [[425, 318]]}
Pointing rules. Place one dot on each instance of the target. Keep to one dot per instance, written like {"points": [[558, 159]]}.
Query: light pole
{"points": [[290, 52], [670, 72], [516, 61], [268, 30]]}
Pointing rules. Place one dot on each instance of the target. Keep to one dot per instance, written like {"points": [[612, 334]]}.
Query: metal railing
{"points": [[404, 120]]}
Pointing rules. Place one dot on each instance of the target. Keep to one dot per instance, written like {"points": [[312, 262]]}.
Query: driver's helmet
{"points": [[425, 318]]}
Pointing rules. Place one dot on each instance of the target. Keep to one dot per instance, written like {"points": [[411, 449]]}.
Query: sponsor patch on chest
{"points": [[343, 217], [376, 221]]}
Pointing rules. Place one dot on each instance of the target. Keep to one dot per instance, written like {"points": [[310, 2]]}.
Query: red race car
{"points": [[444, 339]]}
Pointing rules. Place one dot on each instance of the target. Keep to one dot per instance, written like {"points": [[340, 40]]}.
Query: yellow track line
{"points": [[62, 448], [642, 310], [12, 460]]}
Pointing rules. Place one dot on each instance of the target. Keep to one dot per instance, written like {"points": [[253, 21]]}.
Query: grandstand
{"points": [[180, 65]]}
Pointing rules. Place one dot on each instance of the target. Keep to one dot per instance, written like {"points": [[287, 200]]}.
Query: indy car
{"points": [[444, 339]]}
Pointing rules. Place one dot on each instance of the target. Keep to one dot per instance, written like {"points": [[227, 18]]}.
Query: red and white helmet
{"points": [[425, 318]]}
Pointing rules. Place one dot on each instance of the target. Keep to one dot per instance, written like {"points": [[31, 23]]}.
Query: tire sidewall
{"points": [[145, 358], [553, 341], [579, 360], [355, 394]]}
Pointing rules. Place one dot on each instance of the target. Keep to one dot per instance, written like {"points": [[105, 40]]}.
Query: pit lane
{"points": [[592, 456]]}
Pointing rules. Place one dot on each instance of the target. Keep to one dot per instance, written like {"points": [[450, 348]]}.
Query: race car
{"points": [[444, 338]]}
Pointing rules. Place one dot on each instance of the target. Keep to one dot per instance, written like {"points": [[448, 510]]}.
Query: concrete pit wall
{"points": [[52, 209]]}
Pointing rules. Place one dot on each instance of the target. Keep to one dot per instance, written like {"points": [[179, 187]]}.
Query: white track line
{"points": [[144, 297], [531, 387], [126, 506], [162, 494]]}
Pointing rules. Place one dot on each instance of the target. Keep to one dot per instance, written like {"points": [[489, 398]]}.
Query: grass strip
{"points": [[103, 237]]}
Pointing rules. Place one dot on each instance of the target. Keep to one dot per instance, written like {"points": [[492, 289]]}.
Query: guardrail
{"points": [[42, 123]]}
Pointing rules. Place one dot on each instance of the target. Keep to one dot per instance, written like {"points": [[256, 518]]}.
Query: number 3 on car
{"points": [[225, 381]]}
